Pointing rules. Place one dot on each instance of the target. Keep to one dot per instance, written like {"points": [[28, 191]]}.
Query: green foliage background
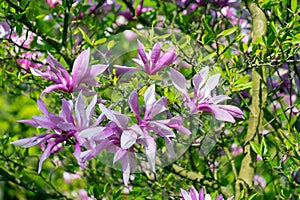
{"points": [[231, 57]]}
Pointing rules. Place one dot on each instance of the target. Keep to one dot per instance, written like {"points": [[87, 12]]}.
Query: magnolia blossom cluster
{"points": [[91, 133]]}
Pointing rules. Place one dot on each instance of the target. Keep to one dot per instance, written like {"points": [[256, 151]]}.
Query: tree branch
{"points": [[259, 95]]}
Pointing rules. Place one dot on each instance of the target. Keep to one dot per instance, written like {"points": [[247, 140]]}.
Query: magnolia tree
{"points": [[149, 99]]}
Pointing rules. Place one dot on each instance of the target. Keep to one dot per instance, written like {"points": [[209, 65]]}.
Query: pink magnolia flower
{"points": [[202, 99], [81, 74], [153, 61], [139, 10], [162, 127], [118, 137], [193, 194], [259, 181], [27, 63], [62, 128], [53, 3]]}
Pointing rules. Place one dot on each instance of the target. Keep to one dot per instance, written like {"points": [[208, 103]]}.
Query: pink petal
{"points": [[80, 113], [149, 98], [161, 129], [134, 105], [165, 60], [51, 60], [193, 193], [51, 88], [143, 56], [185, 195], [118, 118], [128, 138], [91, 132], [219, 98], [158, 107], [212, 82], [119, 155], [80, 67], [179, 81], [155, 53], [150, 151], [126, 169], [47, 153], [66, 111]]}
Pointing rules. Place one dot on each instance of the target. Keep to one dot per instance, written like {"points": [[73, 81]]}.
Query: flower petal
{"points": [[91, 107], [126, 169], [29, 142], [143, 56], [233, 110], [176, 123], [66, 110], [30, 122], [149, 98], [80, 67], [155, 53], [219, 113], [220, 98], [53, 62], [118, 118], [193, 193], [134, 105], [80, 112], [47, 153], [90, 132], [179, 82], [128, 138], [122, 69], [150, 151], [185, 195], [51, 88], [212, 82], [165, 60], [161, 129], [42, 106], [44, 122], [119, 155], [199, 80], [158, 107], [92, 72], [201, 194]]}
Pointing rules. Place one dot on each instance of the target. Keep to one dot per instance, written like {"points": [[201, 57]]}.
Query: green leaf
{"points": [[161, 36], [85, 36], [263, 146], [110, 44], [242, 87], [243, 80], [294, 5], [100, 41], [252, 196], [155, 77], [242, 194], [208, 28], [255, 148], [227, 32], [209, 56]]}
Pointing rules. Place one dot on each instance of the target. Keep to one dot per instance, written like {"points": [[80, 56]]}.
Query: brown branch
{"points": [[259, 96]]}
